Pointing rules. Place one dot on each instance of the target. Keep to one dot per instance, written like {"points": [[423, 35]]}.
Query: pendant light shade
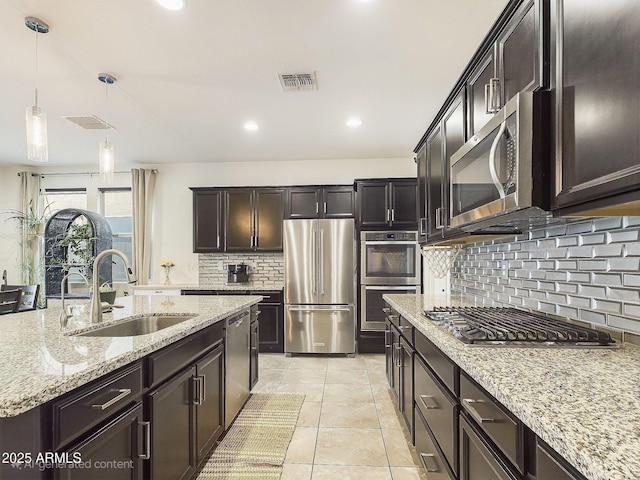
{"points": [[106, 153], [37, 145]]}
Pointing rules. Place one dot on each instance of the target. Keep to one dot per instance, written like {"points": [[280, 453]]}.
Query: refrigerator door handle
{"points": [[321, 261], [311, 309], [314, 263]]}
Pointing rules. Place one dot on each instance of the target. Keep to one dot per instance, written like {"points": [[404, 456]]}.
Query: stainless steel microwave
{"points": [[500, 177]]}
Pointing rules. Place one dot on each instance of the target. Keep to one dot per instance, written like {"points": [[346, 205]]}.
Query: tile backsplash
{"points": [[588, 271], [266, 269]]}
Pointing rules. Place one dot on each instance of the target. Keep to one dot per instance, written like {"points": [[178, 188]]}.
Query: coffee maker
{"points": [[237, 273]]}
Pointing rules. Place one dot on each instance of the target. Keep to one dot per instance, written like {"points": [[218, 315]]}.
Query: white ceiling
{"points": [[189, 80]]}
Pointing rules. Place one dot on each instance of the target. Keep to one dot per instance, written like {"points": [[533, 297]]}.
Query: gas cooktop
{"points": [[505, 326]]}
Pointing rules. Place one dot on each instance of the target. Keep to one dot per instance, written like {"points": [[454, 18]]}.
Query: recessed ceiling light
{"points": [[353, 122], [251, 126], [172, 4]]}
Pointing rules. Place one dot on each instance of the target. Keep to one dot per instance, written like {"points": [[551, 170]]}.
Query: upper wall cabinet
{"points": [[334, 201], [596, 55], [253, 219], [514, 63], [387, 204], [207, 220]]}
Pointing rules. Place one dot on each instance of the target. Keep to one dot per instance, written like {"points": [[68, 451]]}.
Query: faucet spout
{"points": [[64, 316], [96, 306]]}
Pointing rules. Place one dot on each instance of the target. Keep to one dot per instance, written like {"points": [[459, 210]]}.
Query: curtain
{"points": [[143, 185], [31, 207]]}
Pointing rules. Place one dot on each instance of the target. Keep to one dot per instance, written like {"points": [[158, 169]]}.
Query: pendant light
{"points": [[37, 146], [106, 154]]}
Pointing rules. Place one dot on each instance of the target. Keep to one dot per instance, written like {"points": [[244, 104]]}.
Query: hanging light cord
{"points": [[106, 100], [36, 92]]}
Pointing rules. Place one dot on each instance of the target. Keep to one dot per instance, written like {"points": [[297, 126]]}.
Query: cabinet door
{"points": [[111, 453], [271, 322], [253, 364], [207, 221], [421, 161], [435, 170], [404, 204], [406, 372], [269, 214], [598, 99], [209, 401], [454, 137], [477, 101], [373, 205], [171, 415], [338, 202], [520, 52], [304, 202], [239, 220]]}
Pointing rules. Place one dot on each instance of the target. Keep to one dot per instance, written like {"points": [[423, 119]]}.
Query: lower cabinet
{"points": [[114, 452], [254, 330], [209, 402], [432, 460]]}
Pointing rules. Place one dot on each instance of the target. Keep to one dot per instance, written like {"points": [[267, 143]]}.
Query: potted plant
{"points": [[107, 293]]}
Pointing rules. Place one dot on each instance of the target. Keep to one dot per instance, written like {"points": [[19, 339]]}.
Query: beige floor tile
{"points": [[313, 391], [346, 363], [350, 446], [303, 375], [296, 471], [309, 414], [382, 393], [303, 445], [350, 472], [265, 387], [271, 374], [348, 376], [397, 448], [378, 376], [349, 415], [347, 393], [311, 362], [408, 473], [388, 415], [375, 361], [273, 360]]}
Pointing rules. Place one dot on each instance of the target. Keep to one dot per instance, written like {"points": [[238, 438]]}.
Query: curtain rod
{"points": [[91, 174]]}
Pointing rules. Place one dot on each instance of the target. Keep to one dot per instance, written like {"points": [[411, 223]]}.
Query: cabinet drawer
{"points": [[506, 431], [406, 329], [164, 363], [268, 297], [429, 455], [444, 368], [438, 410], [90, 405]]}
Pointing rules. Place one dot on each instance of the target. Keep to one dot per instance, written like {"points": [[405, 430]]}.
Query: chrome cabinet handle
{"points": [[122, 393], [386, 310], [325, 208], [203, 390], [255, 342], [317, 209], [423, 226], [432, 405], [388, 214], [469, 404], [398, 347], [439, 214], [196, 391], [492, 160], [487, 98], [495, 95], [404, 327], [393, 214], [147, 454], [429, 460]]}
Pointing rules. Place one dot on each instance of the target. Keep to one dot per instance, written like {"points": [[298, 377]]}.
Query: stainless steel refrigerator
{"points": [[319, 286]]}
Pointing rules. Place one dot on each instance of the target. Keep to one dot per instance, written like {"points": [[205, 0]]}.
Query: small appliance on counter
{"points": [[238, 273]]}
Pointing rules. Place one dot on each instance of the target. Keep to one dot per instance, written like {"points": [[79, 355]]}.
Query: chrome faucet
{"points": [[64, 316], [95, 313]]}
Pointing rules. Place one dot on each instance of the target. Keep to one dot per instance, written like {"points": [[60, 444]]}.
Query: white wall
{"points": [[172, 229]]}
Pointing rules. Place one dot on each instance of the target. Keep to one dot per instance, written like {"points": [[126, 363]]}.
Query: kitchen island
{"points": [[46, 371], [584, 403]]}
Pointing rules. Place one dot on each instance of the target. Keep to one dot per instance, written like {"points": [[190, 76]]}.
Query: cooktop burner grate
{"points": [[493, 325]]}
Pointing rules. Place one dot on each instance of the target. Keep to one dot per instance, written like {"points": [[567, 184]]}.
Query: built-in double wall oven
{"points": [[389, 263]]}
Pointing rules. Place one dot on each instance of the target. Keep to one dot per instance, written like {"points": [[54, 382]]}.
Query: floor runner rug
{"points": [[256, 444]]}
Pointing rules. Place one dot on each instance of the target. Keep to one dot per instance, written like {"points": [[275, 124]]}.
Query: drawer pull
{"points": [[399, 357], [404, 327], [147, 441], [198, 388], [469, 403], [386, 310], [122, 393], [432, 402], [429, 460]]}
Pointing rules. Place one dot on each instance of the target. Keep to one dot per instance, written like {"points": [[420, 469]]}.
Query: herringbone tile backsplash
{"points": [[588, 271]]}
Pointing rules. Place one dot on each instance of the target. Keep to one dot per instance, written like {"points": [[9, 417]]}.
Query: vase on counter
{"points": [[167, 275]]}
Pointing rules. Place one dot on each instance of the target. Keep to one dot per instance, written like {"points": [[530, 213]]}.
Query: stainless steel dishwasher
{"points": [[236, 357]]}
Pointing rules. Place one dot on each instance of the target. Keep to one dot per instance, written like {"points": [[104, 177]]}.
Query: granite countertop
{"points": [[585, 403], [236, 286], [39, 361]]}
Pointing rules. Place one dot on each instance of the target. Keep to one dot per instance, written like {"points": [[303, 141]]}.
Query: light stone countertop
{"points": [[39, 362], [585, 403]]}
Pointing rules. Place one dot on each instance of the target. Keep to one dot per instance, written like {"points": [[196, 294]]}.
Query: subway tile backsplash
{"points": [[588, 271], [266, 269]]}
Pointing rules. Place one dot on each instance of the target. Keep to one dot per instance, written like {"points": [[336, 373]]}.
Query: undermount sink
{"points": [[139, 325]]}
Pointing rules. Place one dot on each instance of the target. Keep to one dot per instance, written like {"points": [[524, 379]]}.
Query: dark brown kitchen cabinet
{"points": [[271, 322], [253, 219], [421, 162], [207, 220], [387, 204], [113, 452], [597, 129], [435, 185], [208, 402], [549, 464], [329, 201], [515, 62]]}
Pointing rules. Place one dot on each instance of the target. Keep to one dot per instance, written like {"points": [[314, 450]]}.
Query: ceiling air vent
{"points": [[90, 122], [298, 81]]}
